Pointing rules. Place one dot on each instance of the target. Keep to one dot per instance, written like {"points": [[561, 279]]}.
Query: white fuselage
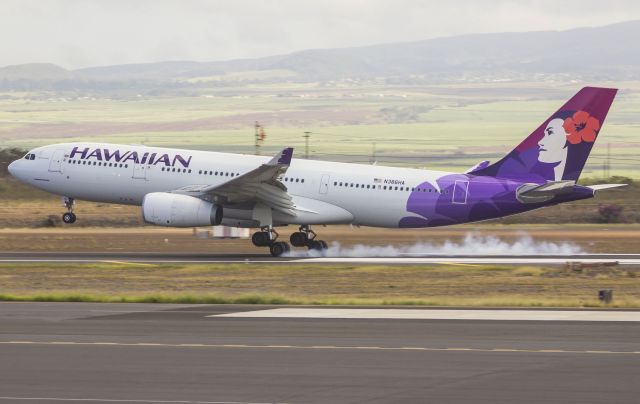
{"points": [[368, 195]]}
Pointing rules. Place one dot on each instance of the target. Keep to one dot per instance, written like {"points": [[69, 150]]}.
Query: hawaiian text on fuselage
{"points": [[104, 154]]}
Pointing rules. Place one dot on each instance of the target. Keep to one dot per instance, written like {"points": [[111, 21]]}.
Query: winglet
{"points": [[283, 158]]}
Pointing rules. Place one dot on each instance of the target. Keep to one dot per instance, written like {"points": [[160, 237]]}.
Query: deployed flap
{"points": [[536, 193], [260, 185]]}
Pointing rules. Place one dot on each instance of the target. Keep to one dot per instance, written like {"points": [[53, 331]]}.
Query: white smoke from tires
{"points": [[471, 244]]}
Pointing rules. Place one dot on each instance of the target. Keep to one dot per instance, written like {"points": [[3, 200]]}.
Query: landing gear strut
{"points": [[69, 217], [267, 237], [305, 237]]}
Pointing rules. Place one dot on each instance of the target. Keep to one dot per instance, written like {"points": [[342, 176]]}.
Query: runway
{"points": [[70, 352], [301, 258]]}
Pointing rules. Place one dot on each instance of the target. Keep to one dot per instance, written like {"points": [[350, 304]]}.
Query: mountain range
{"points": [[609, 52]]}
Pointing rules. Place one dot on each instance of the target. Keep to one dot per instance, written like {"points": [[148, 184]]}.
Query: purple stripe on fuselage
{"points": [[486, 198]]}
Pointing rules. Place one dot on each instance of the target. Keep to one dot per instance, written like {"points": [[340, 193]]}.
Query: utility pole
{"points": [[307, 135], [259, 136], [608, 160], [372, 159]]}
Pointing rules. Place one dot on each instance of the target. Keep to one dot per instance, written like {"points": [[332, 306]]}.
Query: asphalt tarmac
{"points": [[137, 353], [301, 257]]}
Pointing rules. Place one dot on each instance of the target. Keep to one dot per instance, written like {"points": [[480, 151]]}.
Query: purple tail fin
{"points": [[557, 149]]}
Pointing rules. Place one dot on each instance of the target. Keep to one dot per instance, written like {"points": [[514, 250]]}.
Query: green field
{"points": [[439, 285], [439, 127]]}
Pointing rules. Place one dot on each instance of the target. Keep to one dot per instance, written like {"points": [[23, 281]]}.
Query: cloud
{"points": [[79, 33]]}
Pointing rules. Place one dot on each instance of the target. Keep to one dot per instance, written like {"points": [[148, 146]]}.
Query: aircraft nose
{"points": [[12, 168]]}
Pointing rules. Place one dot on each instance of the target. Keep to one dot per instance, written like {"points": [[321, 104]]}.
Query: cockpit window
{"points": [[30, 156]]}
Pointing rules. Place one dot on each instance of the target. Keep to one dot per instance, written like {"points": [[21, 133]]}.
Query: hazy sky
{"points": [[80, 33]]}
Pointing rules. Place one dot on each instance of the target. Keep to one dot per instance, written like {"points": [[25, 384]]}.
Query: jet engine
{"points": [[175, 210]]}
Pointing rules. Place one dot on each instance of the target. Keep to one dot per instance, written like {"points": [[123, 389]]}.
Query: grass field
{"points": [[442, 285], [439, 127]]}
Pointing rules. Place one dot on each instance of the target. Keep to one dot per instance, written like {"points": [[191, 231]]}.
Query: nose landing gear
{"points": [[305, 237], [267, 237], [69, 217]]}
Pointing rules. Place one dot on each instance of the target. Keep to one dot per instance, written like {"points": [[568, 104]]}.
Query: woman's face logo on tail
{"points": [[552, 146], [561, 136]]}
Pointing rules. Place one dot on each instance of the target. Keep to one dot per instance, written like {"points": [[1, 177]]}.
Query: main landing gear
{"points": [[267, 237], [304, 237], [69, 217]]}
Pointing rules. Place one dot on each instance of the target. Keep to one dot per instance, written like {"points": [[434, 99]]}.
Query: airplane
{"points": [[188, 188]]}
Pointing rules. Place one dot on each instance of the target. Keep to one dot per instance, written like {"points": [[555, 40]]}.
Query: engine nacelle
{"points": [[175, 210]]}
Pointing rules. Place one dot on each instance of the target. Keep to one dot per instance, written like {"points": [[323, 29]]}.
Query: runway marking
{"points": [[441, 314], [320, 347], [107, 400], [459, 264], [132, 263]]}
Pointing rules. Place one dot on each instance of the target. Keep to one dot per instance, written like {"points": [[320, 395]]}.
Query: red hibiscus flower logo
{"points": [[581, 127]]}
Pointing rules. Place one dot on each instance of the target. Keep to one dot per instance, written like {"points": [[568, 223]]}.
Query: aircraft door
{"points": [[324, 184], [140, 171], [460, 189], [55, 163]]}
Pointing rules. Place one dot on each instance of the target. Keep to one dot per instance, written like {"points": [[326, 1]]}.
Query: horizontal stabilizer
{"points": [[600, 187], [536, 193]]}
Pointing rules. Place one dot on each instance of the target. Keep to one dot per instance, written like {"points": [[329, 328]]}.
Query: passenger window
{"points": [[297, 179]]}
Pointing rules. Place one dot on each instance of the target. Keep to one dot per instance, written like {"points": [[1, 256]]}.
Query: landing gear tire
{"points": [[299, 239], [261, 239], [69, 218], [318, 245], [279, 248]]}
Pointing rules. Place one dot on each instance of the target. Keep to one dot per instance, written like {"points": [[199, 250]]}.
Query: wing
{"points": [[260, 185]]}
